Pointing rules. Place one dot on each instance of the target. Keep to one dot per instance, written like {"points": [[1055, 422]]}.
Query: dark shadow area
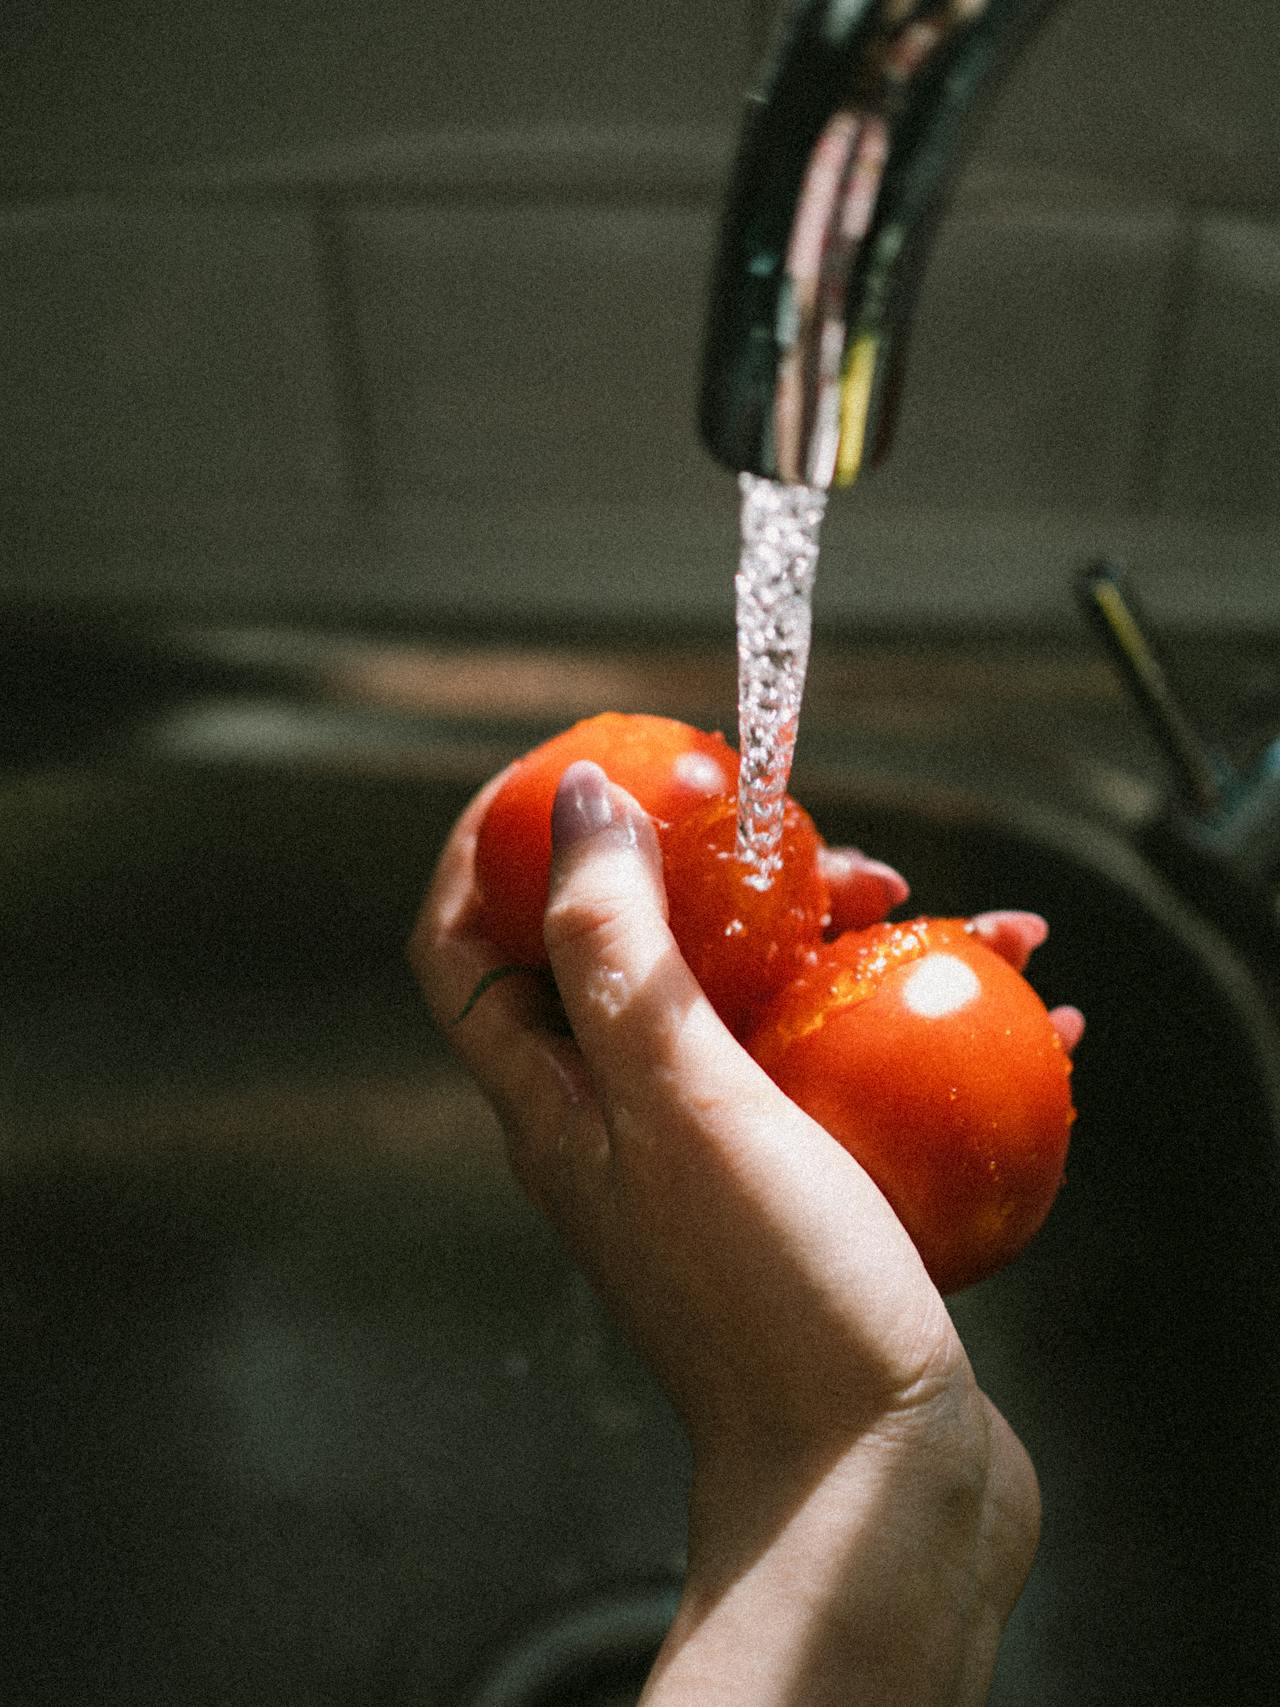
{"points": [[301, 1400]]}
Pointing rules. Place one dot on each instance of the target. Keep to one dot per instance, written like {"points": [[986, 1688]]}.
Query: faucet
{"points": [[850, 143], [847, 151], [1217, 835]]}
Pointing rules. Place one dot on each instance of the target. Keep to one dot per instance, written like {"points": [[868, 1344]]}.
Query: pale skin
{"points": [[862, 1519]]}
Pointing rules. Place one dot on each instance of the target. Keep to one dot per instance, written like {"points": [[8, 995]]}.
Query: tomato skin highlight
{"points": [[742, 943], [667, 766], [936, 1066]]}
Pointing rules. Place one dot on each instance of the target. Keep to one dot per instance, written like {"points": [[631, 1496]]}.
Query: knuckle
{"points": [[591, 923]]}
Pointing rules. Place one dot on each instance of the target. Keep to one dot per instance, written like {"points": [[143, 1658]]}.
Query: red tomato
{"points": [[667, 766], [742, 943], [935, 1064]]}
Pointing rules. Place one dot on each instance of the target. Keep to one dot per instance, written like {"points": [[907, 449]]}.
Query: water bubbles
{"points": [[774, 591]]}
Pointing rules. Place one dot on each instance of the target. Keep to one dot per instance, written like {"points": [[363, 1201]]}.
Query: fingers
{"points": [[627, 992], [1014, 936], [533, 1078], [449, 961], [1068, 1022], [863, 890]]}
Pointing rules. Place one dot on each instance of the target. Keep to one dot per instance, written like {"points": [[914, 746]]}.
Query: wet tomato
{"points": [[936, 1065], [742, 943], [917, 1046], [667, 766]]}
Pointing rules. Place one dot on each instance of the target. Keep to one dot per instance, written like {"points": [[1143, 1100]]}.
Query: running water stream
{"points": [[774, 586]]}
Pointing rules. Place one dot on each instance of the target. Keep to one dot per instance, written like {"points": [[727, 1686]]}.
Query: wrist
{"points": [[885, 1576]]}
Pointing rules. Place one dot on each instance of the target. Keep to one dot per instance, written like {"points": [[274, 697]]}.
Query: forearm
{"points": [[849, 1592]]}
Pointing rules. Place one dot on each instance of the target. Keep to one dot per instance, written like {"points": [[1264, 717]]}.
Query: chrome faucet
{"points": [[847, 152], [850, 144], [1217, 835]]}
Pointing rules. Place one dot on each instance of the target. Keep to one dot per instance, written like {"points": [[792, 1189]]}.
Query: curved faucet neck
{"points": [[849, 146]]}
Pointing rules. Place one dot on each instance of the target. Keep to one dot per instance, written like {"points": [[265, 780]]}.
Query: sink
{"points": [[304, 1405]]}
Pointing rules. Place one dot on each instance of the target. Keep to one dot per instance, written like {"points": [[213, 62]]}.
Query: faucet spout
{"points": [[848, 149]]}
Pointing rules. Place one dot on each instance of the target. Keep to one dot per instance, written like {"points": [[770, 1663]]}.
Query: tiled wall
{"points": [[395, 309]]}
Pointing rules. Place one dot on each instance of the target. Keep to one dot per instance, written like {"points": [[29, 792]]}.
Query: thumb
{"points": [[615, 962]]}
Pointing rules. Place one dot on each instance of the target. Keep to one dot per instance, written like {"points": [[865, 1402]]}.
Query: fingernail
{"points": [[583, 805]]}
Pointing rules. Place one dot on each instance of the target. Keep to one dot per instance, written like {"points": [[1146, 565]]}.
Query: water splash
{"points": [[774, 591]]}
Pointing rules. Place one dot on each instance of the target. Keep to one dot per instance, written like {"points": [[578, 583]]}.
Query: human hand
{"points": [[861, 1517]]}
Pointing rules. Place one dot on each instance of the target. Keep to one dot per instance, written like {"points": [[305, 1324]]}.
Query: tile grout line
{"points": [[1168, 351], [363, 476]]}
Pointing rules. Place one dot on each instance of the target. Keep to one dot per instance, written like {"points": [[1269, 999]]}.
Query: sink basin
{"points": [[304, 1405]]}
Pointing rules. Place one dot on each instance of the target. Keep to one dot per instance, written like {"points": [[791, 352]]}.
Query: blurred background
{"points": [[392, 311], [347, 447]]}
